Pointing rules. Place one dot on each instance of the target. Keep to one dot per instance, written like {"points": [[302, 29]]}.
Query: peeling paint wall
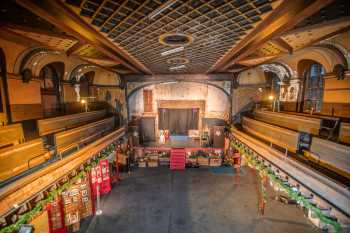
{"points": [[217, 103]]}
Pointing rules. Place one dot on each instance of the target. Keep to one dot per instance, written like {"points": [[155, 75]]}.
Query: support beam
{"points": [[287, 15], [327, 36], [283, 45], [76, 47], [66, 20]]}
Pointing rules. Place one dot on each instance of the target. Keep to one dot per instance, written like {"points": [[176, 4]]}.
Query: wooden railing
{"points": [[73, 138], [56, 124], [344, 132], [330, 154], [21, 157], [28, 186], [11, 135], [282, 137], [294, 122]]}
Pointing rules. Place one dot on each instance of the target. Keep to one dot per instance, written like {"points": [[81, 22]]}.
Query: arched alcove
{"points": [[85, 81], [311, 73], [50, 77]]}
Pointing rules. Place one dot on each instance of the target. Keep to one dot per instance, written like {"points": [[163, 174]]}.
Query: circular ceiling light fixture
{"points": [[175, 39], [177, 61]]}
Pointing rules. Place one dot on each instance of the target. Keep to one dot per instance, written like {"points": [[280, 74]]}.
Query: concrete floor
{"points": [[156, 200]]}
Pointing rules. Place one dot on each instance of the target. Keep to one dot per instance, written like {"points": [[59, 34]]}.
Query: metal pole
{"points": [[98, 205]]}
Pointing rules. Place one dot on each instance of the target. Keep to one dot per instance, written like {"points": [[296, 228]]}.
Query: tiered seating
{"points": [[11, 135], [294, 122], [279, 136], [73, 138], [344, 133], [21, 157], [334, 156], [56, 124], [330, 154]]}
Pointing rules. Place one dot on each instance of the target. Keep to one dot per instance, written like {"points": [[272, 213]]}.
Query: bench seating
{"points": [[344, 132], [290, 121], [11, 135], [73, 138], [61, 123], [21, 157], [330, 154], [282, 137]]}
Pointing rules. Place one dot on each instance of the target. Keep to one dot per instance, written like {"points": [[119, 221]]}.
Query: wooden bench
{"points": [[330, 154], [56, 124], [21, 157], [73, 138], [295, 122], [11, 135], [344, 132], [284, 138]]}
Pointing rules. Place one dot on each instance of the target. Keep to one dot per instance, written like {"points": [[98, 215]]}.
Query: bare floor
{"points": [[156, 200]]}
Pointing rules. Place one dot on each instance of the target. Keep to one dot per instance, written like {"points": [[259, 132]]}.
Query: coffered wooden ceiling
{"points": [[224, 35], [215, 26]]}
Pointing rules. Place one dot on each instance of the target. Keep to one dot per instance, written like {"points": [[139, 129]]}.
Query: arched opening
{"points": [[273, 83], [86, 81], [313, 85], [50, 76]]}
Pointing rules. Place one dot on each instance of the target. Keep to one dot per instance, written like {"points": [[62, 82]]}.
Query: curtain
{"points": [[178, 121]]}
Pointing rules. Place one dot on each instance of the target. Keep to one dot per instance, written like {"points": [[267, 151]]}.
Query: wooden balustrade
{"points": [[56, 124], [344, 132], [25, 188], [282, 137], [11, 135], [332, 155], [72, 138], [21, 157], [294, 122]]}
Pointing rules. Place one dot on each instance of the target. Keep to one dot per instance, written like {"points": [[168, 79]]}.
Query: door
{"points": [[148, 129]]}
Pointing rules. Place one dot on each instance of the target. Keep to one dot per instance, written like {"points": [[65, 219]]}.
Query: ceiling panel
{"points": [[215, 27]]}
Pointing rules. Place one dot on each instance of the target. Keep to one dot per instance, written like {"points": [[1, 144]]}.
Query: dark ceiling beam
{"points": [[76, 47], [17, 38], [284, 17], [283, 45], [327, 36], [55, 12]]}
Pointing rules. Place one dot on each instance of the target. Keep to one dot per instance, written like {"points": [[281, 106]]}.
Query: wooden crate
{"points": [[203, 161], [215, 162]]}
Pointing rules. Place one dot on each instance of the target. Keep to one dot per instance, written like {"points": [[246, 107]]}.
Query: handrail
{"points": [[26, 187]]}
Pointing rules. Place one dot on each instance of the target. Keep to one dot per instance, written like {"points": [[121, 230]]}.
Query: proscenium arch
{"points": [[165, 82]]}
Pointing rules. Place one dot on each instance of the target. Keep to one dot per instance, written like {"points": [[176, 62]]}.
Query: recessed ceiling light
{"points": [[177, 67], [171, 51]]}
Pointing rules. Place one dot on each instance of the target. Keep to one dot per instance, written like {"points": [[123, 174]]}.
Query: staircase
{"points": [[177, 159]]}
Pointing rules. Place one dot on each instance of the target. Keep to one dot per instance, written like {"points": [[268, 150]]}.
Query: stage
{"points": [[176, 141]]}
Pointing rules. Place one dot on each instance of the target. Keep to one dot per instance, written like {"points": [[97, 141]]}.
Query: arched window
{"points": [[313, 87]]}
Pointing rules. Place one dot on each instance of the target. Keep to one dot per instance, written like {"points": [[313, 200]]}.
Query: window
{"points": [[313, 81]]}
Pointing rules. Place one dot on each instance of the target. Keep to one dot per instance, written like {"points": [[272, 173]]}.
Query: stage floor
{"points": [[176, 141]]}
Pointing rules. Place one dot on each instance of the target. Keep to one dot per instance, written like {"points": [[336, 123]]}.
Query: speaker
{"points": [[218, 136]]}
